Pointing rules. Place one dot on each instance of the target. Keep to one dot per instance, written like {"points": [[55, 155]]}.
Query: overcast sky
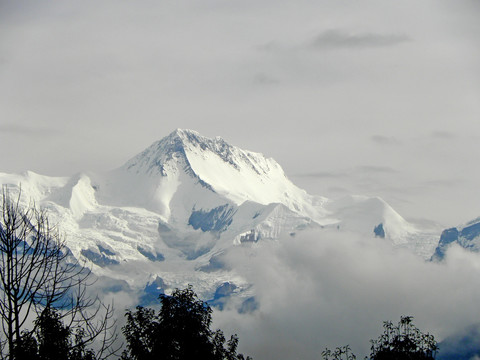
{"points": [[370, 97]]}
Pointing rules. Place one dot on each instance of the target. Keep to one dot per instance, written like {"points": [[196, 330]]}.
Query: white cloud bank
{"points": [[322, 290]]}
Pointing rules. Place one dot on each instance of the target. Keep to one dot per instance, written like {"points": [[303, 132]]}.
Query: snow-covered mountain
{"points": [[171, 211], [185, 170]]}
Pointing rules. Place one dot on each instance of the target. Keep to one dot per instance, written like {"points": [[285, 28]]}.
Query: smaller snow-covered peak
{"points": [[363, 214]]}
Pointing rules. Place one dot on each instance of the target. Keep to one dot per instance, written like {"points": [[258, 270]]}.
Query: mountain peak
{"points": [[186, 135], [237, 175], [189, 145], [191, 139], [172, 147]]}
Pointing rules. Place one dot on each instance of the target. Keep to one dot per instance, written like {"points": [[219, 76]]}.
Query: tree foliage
{"points": [[51, 340], [180, 330], [53, 337]]}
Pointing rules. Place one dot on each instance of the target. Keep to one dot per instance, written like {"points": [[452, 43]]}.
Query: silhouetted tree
{"points": [[52, 340], [141, 334], [52, 336], [403, 342], [398, 342], [180, 330], [26, 347]]}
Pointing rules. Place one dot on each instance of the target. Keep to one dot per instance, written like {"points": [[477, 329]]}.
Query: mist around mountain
{"points": [[277, 263]]}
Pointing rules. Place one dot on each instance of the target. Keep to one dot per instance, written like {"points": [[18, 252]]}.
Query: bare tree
{"points": [[37, 272]]}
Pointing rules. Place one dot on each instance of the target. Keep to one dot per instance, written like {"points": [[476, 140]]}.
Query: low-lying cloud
{"points": [[323, 289]]}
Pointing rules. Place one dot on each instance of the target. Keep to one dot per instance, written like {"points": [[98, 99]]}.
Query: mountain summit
{"points": [[189, 145], [212, 172]]}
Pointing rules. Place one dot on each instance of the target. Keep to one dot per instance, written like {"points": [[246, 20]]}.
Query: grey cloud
{"points": [[384, 140], [438, 134], [335, 38], [14, 129], [265, 79], [269, 47]]}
